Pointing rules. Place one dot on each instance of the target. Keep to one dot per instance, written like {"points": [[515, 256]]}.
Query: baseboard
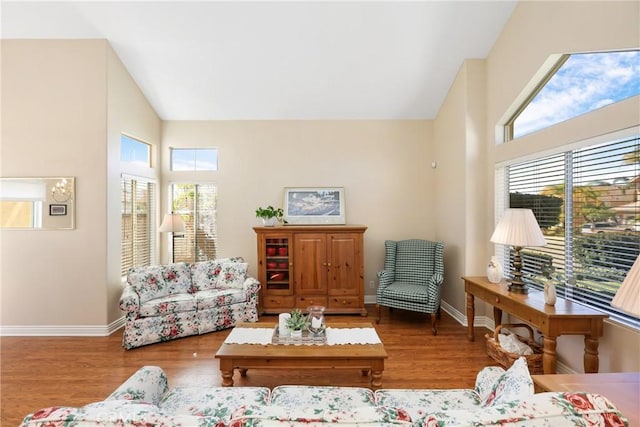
{"points": [[61, 330]]}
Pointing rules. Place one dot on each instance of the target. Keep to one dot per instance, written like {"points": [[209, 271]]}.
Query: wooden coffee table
{"points": [[367, 357]]}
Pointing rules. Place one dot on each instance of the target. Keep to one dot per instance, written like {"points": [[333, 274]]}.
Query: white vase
{"points": [[550, 293], [494, 270], [296, 334], [269, 222]]}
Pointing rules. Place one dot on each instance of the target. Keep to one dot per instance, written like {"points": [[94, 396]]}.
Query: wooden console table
{"points": [[622, 388], [565, 318]]}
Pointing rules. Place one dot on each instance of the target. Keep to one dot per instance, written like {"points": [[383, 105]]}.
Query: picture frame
{"points": [[57, 210], [314, 205]]}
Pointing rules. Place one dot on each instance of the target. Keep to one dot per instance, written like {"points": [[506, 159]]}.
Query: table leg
{"points": [[470, 316], [497, 316], [377, 367], [549, 355], [226, 371], [591, 362]]}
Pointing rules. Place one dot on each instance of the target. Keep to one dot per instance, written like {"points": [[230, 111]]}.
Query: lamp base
{"points": [[518, 287]]}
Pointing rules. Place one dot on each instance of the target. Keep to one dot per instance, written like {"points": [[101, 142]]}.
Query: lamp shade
{"points": [[518, 227], [172, 223], [627, 298]]}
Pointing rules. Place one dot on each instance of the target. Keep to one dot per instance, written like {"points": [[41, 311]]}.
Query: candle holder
{"points": [[315, 320]]}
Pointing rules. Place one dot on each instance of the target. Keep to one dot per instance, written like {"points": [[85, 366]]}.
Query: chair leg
{"points": [[377, 313], [434, 316]]}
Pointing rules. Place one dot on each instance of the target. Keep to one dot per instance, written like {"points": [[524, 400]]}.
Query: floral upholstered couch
{"points": [[499, 399], [164, 302]]}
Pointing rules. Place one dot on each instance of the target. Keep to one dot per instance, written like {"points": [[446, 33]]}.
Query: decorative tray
{"points": [[307, 338]]}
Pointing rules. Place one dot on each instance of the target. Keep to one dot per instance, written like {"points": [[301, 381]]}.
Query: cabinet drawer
{"points": [[344, 302], [303, 302], [271, 301]]}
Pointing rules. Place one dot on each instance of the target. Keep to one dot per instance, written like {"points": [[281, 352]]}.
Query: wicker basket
{"points": [[506, 359]]}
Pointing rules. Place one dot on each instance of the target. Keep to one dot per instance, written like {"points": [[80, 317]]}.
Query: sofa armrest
{"points": [[385, 278], [148, 384], [130, 302], [251, 285]]}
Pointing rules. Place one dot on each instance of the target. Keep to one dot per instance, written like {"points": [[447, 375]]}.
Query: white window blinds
{"points": [[587, 204], [138, 225]]}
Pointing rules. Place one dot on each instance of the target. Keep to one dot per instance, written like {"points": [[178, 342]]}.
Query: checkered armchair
{"points": [[412, 277]]}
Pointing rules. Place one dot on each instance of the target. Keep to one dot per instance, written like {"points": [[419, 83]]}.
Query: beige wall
{"points": [[382, 165], [64, 104], [53, 124], [535, 31]]}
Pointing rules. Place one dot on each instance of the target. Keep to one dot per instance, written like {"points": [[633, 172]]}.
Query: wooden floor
{"points": [[38, 372]]}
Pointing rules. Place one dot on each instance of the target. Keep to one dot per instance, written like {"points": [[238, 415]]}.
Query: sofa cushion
{"points": [[419, 402], [219, 297], [177, 276], [232, 275], [543, 409], [218, 402], [514, 384], [204, 275], [313, 416], [111, 413], [322, 397], [173, 303], [148, 282]]}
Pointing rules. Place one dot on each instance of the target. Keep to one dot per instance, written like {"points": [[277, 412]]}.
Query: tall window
{"points": [[587, 202], [138, 210], [196, 203]]}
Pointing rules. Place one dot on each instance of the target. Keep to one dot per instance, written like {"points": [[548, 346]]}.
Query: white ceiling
{"points": [[212, 60]]}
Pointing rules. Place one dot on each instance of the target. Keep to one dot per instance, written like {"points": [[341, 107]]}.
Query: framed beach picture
{"points": [[314, 205]]}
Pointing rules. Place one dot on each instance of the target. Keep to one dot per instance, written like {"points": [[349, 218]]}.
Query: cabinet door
{"points": [[345, 276], [310, 255], [275, 264]]}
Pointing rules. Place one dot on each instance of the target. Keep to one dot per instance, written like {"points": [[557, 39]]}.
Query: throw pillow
{"points": [[232, 275], [204, 274], [514, 384]]}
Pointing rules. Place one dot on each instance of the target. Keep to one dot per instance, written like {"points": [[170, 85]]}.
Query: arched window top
{"points": [[578, 84]]}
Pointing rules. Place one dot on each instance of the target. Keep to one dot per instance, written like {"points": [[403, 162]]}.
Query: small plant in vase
{"points": [[297, 323], [270, 215]]}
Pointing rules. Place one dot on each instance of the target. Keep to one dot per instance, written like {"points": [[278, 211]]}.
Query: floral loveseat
{"points": [[500, 398], [163, 302]]}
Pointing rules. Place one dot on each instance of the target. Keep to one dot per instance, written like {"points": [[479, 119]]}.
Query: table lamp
{"points": [[172, 223], [627, 298], [518, 228]]}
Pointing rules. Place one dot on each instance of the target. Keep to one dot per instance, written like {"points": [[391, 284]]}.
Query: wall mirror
{"points": [[37, 203]]}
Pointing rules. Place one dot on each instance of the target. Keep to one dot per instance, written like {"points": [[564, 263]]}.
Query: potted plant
{"points": [[296, 323], [270, 215]]}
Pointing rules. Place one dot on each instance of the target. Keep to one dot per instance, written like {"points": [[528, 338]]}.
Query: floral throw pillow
{"points": [[514, 384], [232, 275]]}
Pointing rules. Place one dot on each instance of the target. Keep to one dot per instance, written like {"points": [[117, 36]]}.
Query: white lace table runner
{"points": [[335, 336]]}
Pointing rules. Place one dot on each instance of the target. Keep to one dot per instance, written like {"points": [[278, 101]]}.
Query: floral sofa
{"points": [[500, 398], [164, 302]]}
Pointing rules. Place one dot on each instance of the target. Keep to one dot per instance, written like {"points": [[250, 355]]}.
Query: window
{"points": [[587, 202], [197, 205], [194, 159], [138, 228], [578, 83], [135, 151]]}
